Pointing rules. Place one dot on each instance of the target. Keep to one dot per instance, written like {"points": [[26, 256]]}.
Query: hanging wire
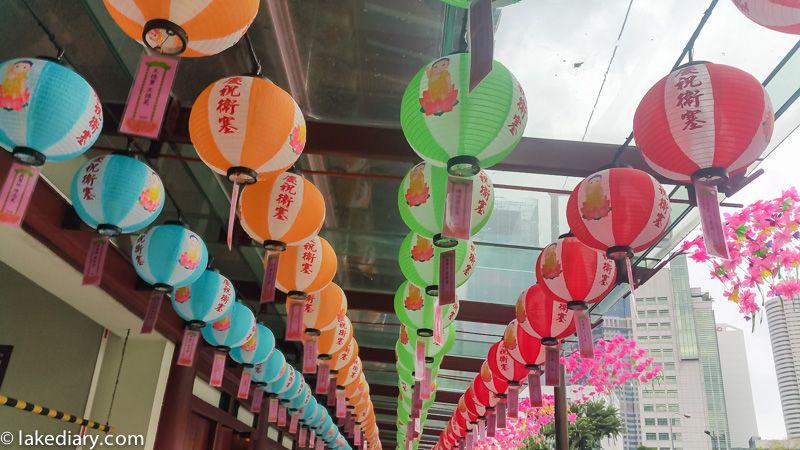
{"points": [[119, 371], [50, 35], [253, 55]]}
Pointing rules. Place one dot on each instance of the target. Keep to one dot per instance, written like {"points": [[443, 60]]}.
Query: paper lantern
{"points": [[284, 209], [524, 348], [421, 200], [702, 123], [498, 385], [235, 328], [619, 211], [167, 256], [270, 370], [184, 27], [199, 303], [114, 194], [417, 310], [543, 317], [243, 127], [449, 126], [306, 267], [433, 352], [778, 15], [255, 351], [319, 311], [419, 261]]}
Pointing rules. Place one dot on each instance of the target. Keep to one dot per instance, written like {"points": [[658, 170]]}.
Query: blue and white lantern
{"points": [[270, 370], [205, 300], [257, 349], [117, 194], [47, 111], [233, 329], [169, 255], [301, 400]]}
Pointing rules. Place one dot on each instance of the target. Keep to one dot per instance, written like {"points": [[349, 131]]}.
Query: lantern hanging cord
{"points": [[50, 35], [253, 55], [119, 371], [688, 50]]}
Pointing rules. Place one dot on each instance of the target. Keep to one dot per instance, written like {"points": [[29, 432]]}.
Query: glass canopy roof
{"points": [[584, 66]]}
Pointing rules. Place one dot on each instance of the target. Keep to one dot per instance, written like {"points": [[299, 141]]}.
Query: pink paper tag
{"points": [[416, 427], [458, 208], [95, 259], [416, 400], [584, 328], [551, 365], [258, 400], [272, 414], [319, 445], [447, 277], [535, 387], [295, 419], [323, 378], [147, 99], [419, 359], [481, 429], [270, 274], [302, 439], [331, 394], [501, 414], [461, 444], [244, 384], [425, 384], [153, 308], [232, 213], [310, 355], [437, 322], [468, 443], [281, 416], [217, 368], [491, 425], [513, 401], [357, 435], [481, 39], [17, 191], [713, 233], [294, 320], [311, 439], [191, 337], [340, 403]]}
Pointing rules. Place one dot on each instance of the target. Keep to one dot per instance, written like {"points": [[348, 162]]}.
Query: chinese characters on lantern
{"points": [[484, 193], [522, 111], [688, 98], [225, 297], [89, 177], [93, 125], [287, 192], [310, 252], [228, 104]]}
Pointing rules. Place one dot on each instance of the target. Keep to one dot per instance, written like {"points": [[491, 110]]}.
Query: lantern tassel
{"points": [[244, 384], [281, 416], [191, 337], [95, 260], [151, 315], [258, 400], [535, 387], [513, 401], [312, 439], [17, 192], [551, 365], [294, 320], [217, 368], [323, 378], [271, 260], [295, 419], [272, 416], [232, 213], [584, 328], [310, 354]]}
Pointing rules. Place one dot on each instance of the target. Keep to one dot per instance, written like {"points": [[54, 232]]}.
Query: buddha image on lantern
{"points": [[403, 336], [519, 310], [423, 250], [596, 204], [441, 95], [510, 338], [250, 345], [191, 257], [413, 301], [14, 93], [297, 139], [164, 41], [181, 294], [150, 197], [486, 373], [550, 267], [222, 324], [418, 191]]}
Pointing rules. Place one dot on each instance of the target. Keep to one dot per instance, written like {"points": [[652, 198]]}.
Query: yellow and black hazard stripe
{"points": [[53, 413]]}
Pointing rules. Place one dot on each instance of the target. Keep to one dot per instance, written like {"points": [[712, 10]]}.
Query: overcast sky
{"points": [[560, 50]]}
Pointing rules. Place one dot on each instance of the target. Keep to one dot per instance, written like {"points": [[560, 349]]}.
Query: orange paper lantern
{"points": [[306, 267]]}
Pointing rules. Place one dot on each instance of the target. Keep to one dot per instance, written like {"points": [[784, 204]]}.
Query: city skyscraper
{"points": [[784, 333], [736, 381]]}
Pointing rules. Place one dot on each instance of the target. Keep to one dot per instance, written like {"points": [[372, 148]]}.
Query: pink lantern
{"points": [[778, 15]]}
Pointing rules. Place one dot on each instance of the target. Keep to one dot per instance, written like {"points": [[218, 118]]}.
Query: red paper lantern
{"points": [[778, 15], [474, 407], [543, 317], [493, 383], [483, 394], [523, 347], [570, 272]]}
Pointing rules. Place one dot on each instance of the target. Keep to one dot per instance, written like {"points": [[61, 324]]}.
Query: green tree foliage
{"points": [[596, 420]]}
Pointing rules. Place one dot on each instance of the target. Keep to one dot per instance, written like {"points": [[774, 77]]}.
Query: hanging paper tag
{"points": [[584, 328], [357, 435], [340, 403], [294, 320], [271, 260], [535, 387], [437, 322], [348, 425], [632, 285], [258, 400], [17, 191], [95, 259], [191, 337], [501, 414], [468, 444], [458, 208], [331, 393], [419, 359], [710, 221], [311, 439], [447, 277], [244, 384], [281, 416], [272, 415], [416, 399], [425, 384], [461, 444], [481, 429], [295, 419], [232, 213], [319, 445], [551, 365], [302, 439], [323, 378], [410, 431], [513, 401], [151, 315], [310, 355], [217, 368], [491, 425], [147, 99]]}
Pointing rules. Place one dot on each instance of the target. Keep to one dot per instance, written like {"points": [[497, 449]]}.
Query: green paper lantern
{"points": [[449, 126], [421, 200], [405, 348], [415, 309], [419, 261]]}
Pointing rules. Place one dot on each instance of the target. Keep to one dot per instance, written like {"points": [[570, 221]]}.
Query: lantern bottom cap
{"points": [[577, 305], [163, 287], [242, 175], [29, 156], [549, 341], [432, 290], [463, 166], [106, 229], [619, 252], [297, 295], [312, 331], [711, 176], [424, 332], [274, 246], [172, 30], [195, 324], [444, 242]]}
